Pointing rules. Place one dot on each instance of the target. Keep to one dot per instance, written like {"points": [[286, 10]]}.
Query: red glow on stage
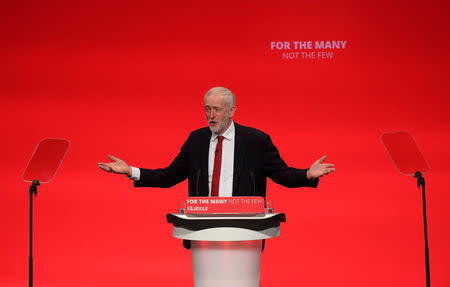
{"points": [[128, 79]]}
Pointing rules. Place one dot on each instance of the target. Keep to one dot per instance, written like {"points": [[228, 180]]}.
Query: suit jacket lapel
{"points": [[204, 149], [239, 152]]}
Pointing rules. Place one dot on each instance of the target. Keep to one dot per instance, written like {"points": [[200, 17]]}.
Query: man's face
{"points": [[218, 113]]}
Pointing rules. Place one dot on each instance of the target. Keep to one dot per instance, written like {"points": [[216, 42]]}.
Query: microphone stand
{"points": [[421, 182], [33, 190]]}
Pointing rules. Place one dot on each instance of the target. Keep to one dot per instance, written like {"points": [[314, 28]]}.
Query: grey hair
{"points": [[229, 97]]}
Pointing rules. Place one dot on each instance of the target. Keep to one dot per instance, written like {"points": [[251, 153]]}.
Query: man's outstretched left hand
{"points": [[318, 168]]}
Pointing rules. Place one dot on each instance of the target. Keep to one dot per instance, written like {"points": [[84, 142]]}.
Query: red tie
{"points": [[217, 167]]}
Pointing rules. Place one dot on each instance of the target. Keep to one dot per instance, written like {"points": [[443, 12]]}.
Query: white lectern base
{"points": [[226, 263], [226, 250]]}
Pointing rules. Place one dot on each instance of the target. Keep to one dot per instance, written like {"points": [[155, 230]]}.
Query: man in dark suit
{"points": [[224, 159]]}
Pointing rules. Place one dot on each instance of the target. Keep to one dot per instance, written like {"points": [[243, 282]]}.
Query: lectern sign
{"points": [[245, 204]]}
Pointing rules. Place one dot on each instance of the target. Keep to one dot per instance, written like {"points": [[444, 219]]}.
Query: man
{"points": [[225, 159]]}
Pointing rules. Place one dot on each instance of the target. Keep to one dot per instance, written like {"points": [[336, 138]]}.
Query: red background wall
{"points": [[128, 78]]}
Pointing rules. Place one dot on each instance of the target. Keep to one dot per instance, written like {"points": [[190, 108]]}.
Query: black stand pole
{"points": [[421, 182], [33, 190]]}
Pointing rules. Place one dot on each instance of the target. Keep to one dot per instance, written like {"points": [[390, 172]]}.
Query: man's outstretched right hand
{"points": [[117, 166]]}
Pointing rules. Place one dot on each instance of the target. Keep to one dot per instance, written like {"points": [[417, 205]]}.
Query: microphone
{"points": [[253, 181], [198, 176]]}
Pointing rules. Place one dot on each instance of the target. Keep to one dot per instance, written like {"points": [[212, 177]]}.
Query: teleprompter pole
{"points": [[421, 182], [33, 190]]}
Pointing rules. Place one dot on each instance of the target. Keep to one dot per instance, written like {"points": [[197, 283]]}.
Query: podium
{"points": [[226, 250]]}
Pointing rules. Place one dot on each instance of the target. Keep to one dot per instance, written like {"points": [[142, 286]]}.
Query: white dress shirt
{"points": [[226, 171]]}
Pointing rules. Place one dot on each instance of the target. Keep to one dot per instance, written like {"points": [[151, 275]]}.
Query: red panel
{"points": [[128, 79]]}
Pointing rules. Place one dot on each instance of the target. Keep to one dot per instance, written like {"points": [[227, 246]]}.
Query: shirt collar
{"points": [[228, 134]]}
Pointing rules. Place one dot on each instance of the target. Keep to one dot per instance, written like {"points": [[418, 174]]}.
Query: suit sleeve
{"points": [[175, 173], [277, 170]]}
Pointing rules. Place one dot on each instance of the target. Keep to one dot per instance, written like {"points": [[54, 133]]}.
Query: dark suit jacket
{"points": [[255, 159]]}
